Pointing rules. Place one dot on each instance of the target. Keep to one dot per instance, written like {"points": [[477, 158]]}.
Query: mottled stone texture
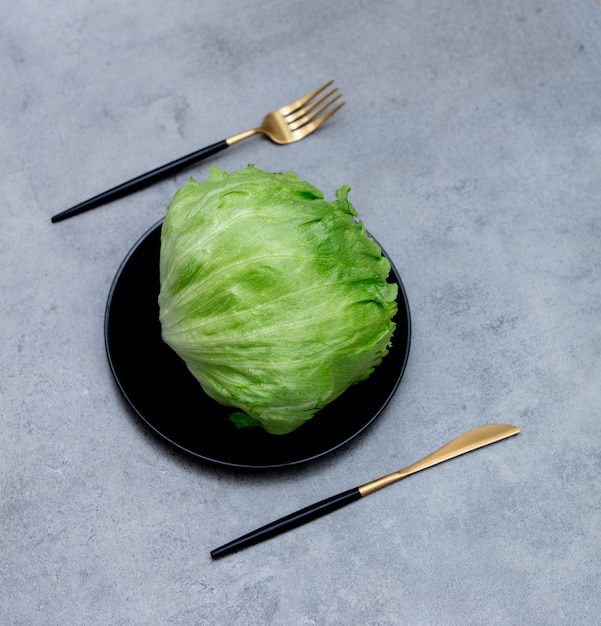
{"points": [[471, 140]]}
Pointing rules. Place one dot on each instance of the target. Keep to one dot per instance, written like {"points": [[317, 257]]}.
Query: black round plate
{"points": [[161, 390]]}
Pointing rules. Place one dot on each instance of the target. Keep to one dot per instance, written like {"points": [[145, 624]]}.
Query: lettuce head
{"points": [[276, 299]]}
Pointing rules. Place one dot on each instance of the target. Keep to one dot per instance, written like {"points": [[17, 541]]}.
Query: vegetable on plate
{"points": [[276, 299]]}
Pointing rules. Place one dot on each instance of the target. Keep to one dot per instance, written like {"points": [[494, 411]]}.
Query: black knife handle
{"points": [[141, 181], [289, 522]]}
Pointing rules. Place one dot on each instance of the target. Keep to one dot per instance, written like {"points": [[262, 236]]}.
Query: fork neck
{"points": [[241, 136]]}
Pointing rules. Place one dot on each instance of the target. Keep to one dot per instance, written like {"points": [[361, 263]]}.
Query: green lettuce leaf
{"points": [[276, 299]]}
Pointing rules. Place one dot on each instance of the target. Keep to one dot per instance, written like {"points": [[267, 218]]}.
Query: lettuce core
{"points": [[276, 299]]}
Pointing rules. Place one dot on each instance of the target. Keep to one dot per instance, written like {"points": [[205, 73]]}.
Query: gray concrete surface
{"points": [[472, 144]]}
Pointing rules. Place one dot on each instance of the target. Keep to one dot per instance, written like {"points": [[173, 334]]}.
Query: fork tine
{"points": [[297, 104], [295, 115], [305, 130], [312, 114]]}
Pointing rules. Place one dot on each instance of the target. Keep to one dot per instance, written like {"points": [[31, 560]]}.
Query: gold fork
{"points": [[287, 124]]}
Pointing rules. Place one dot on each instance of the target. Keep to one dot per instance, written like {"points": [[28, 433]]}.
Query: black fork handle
{"points": [[141, 181]]}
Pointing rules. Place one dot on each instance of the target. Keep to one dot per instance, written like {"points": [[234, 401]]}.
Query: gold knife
{"points": [[471, 440]]}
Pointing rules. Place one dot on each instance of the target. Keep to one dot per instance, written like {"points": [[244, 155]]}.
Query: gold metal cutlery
{"points": [[285, 125], [471, 440]]}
